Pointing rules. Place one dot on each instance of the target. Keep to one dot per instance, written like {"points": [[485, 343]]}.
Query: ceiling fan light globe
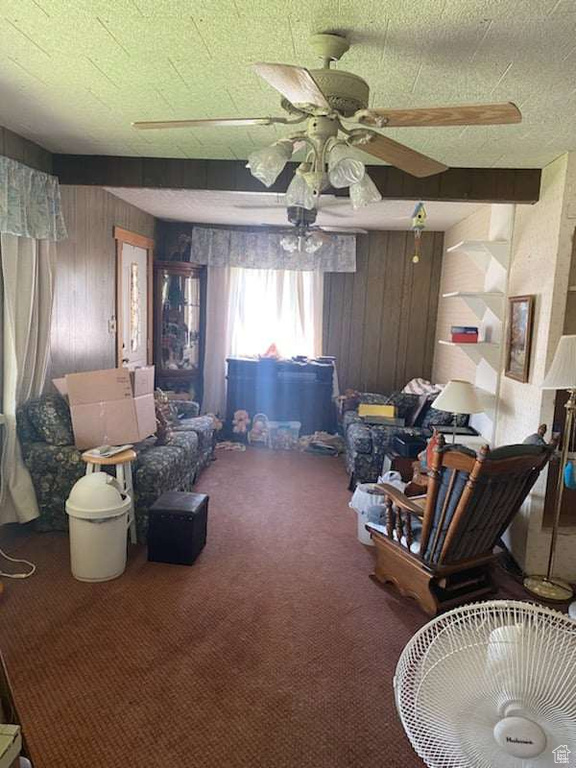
{"points": [[313, 243], [364, 192], [268, 163], [289, 243], [345, 172], [299, 193]]}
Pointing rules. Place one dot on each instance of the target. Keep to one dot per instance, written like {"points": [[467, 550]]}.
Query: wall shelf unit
{"points": [[480, 301], [488, 306], [482, 350], [482, 251]]}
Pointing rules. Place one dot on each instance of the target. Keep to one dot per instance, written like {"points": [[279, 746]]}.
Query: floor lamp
{"points": [[458, 397], [562, 375]]}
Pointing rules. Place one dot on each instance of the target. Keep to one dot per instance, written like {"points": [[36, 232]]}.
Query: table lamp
{"points": [[562, 375], [458, 397]]}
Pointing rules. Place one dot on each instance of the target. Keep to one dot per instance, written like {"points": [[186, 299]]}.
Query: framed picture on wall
{"points": [[520, 319]]}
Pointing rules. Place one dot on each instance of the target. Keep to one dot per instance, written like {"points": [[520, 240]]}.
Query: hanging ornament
{"points": [[418, 226]]}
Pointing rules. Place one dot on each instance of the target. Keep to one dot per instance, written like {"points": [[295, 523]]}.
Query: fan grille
{"points": [[467, 669]]}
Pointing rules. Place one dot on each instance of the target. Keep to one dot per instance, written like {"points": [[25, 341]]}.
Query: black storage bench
{"points": [[177, 524]]}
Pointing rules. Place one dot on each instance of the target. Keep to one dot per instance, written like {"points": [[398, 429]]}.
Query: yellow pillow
{"points": [[387, 411]]}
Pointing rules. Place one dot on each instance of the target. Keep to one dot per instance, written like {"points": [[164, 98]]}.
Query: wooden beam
{"points": [[25, 151], [480, 185]]}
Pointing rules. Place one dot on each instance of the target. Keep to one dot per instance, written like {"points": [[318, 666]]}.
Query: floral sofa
{"points": [[366, 444], [47, 441]]}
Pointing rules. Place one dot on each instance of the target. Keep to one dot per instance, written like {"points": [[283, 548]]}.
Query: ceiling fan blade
{"points": [[344, 230], [467, 114], [262, 208], [208, 123], [294, 83], [396, 154]]}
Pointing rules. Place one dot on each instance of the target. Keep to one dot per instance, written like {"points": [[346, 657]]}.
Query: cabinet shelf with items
{"points": [[179, 316]]}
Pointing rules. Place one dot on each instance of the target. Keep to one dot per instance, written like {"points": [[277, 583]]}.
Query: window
{"points": [[282, 307]]}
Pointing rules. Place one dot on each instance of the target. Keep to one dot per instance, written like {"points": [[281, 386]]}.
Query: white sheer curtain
{"points": [[27, 267], [276, 306], [250, 309]]}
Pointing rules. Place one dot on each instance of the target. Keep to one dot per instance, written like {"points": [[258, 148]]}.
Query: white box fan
{"points": [[491, 685]]}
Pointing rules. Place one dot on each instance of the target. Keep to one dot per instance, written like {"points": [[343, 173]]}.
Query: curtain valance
{"points": [[29, 202], [262, 250]]}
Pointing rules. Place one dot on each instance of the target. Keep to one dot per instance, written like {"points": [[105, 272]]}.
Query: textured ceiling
{"points": [[75, 73], [247, 208]]}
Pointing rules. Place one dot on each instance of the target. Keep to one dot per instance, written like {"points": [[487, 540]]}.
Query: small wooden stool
{"points": [[123, 462]]}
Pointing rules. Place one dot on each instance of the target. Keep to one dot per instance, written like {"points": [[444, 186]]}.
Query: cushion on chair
{"points": [[406, 404], [422, 387], [521, 449], [373, 398], [359, 437], [436, 418], [442, 518], [50, 417]]}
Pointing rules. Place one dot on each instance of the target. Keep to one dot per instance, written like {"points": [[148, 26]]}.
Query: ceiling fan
{"points": [[305, 235], [333, 104]]}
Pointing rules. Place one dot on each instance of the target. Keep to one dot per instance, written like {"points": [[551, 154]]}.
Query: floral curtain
{"points": [[262, 250], [29, 202], [30, 221]]}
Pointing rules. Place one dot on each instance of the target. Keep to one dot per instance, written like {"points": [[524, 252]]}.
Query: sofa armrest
{"points": [[186, 409]]}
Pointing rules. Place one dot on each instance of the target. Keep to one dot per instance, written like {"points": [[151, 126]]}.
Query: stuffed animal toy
{"points": [[216, 421], [241, 422], [164, 431], [259, 433]]}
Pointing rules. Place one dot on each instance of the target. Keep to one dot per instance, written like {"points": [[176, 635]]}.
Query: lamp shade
{"points": [[458, 397], [364, 192], [562, 373], [268, 163], [299, 193]]}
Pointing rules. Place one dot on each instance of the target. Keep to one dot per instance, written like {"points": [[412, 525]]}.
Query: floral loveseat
{"points": [[47, 441], [366, 444]]}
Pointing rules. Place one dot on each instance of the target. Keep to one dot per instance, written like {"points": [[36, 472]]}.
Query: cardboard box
{"points": [[110, 407]]}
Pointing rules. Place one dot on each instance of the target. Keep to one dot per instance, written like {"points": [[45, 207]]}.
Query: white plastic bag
{"points": [[394, 479]]}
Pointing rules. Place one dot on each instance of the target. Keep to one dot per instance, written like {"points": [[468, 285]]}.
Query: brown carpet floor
{"points": [[274, 650]]}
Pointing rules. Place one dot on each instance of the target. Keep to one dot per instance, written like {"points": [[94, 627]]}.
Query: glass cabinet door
{"points": [[179, 295]]}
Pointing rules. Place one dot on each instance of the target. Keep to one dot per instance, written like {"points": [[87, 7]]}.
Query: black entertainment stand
{"points": [[285, 390]]}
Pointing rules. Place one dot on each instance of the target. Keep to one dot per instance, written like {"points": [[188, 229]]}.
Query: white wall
{"points": [[540, 263]]}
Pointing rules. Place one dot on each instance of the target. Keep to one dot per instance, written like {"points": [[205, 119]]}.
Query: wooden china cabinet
{"points": [[179, 325]]}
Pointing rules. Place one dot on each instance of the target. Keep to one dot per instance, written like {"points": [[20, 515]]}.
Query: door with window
{"points": [[134, 323]]}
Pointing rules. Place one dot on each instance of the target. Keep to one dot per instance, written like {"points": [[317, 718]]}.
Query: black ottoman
{"points": [[177, 524]]}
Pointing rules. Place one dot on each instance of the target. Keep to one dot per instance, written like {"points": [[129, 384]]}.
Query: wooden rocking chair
{"points": [[438, 548]]}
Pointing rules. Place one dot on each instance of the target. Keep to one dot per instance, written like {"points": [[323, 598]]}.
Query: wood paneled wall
{"points": [[85, 293], [26, 151], [380, 321]]}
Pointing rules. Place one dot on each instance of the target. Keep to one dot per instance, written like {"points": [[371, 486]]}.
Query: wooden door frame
{"points": [[122, 236]]}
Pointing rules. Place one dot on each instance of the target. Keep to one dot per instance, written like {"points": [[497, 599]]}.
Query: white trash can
{"points": [[363, 502], [98, 513]]}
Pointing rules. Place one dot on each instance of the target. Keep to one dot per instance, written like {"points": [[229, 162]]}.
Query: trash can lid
{"points": [[97, 493]]}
